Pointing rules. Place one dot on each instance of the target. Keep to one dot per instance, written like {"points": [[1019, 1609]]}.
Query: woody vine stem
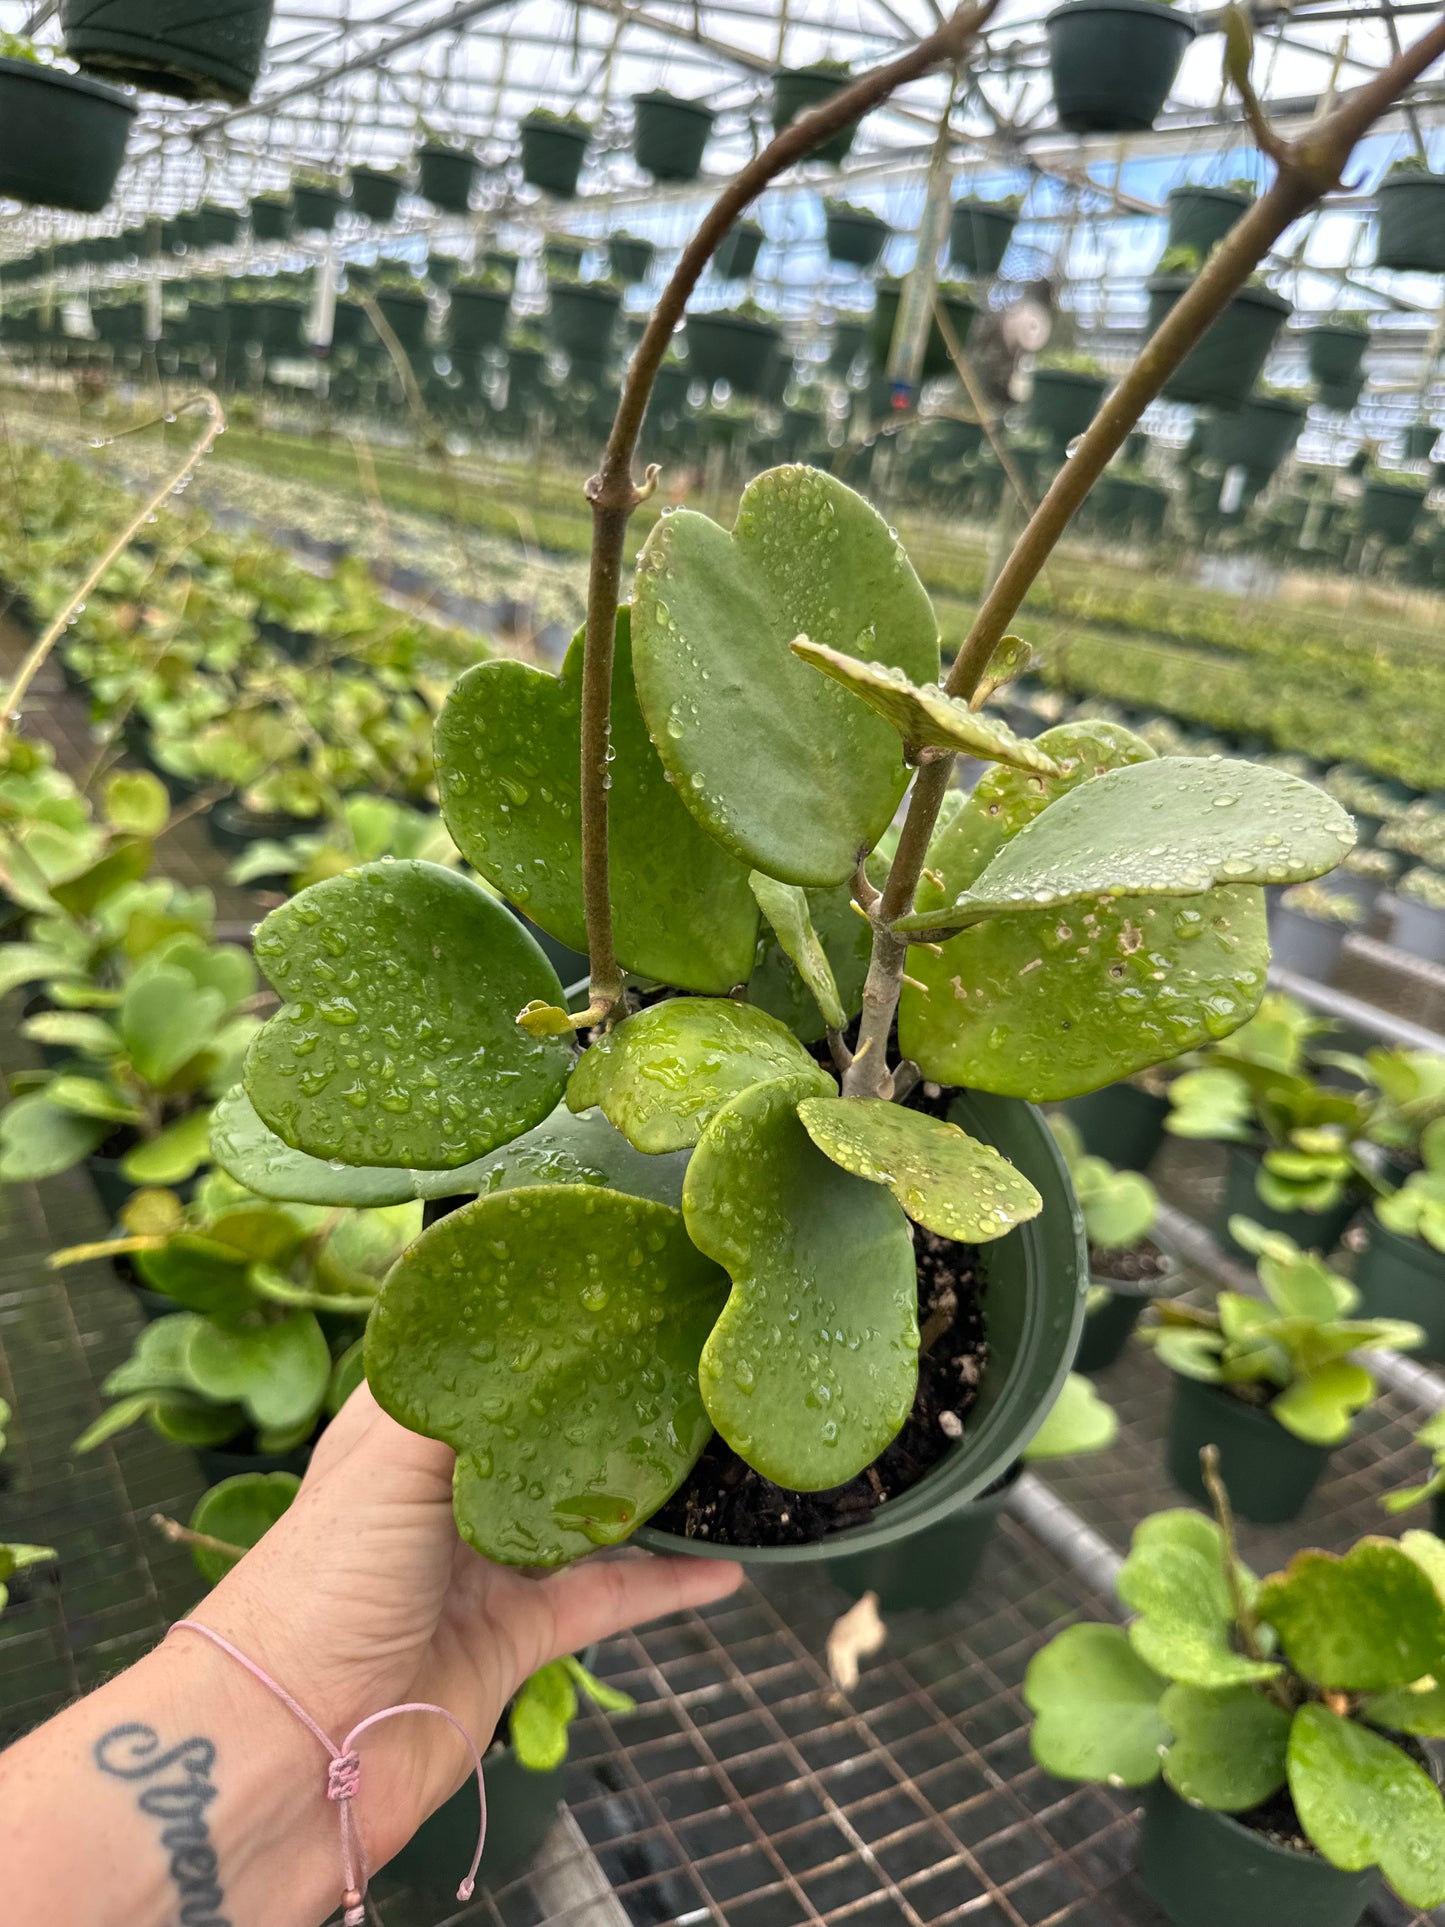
{"points": [[1308, 168]]}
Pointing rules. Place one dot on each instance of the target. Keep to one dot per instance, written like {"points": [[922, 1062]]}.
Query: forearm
{"points": [[178, 1792]]}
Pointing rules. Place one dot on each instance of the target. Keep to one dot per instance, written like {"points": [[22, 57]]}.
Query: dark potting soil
{"points": [[1275, 1820], [724, 1500], [1137, 1264]]}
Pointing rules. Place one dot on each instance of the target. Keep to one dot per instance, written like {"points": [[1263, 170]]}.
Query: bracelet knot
{"points": [[343, 1777]]}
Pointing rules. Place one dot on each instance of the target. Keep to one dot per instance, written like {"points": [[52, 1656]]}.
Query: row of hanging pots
{"points": [[979, 233]]}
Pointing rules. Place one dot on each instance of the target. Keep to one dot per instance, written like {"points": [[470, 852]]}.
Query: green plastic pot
{"points": [[581, 318], [732, 348], [1335, 355], [1309, 946], [1037, 1277], [1410, 211], [1206, 1869], [1112, 62], [1063, 403], [1419, 929], [737, 252], [220, 226], [855, 237], [1403, 1277], [1224, 366], [233, 828], [1420, 439], [795, 90], [936, 358], [375, 194], [979, 233], [934, 1568], [350, 325], [1311, 1230], [405, 314], [62, 137], [669, 135], [1120, 1123], [316, 208], [1391, 510], [281, 321], [1201, 216], [552, 155], [1109, 1326], [526, 370], [1257, 436], [630, 257], [477, 318], [669, 389], [444, 177], [272, 220], [189, 49], [1268, 1472]]}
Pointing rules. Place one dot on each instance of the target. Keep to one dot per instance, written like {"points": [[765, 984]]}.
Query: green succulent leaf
{"points": [[1077, 1421], [787, 770], [136, 802], [1228, 1751], [785, 906], [550, 1335], [926, 717], [127, 861], [607, 1698], [114, 1420], [77, 1030], [92, 1097], [239, 1512], [1361, 1622], [175, 1154], [224, 967], [195, 1423], [660, 1075], [278, 1372], [1418, 1708], [398, 1043], [508, 769], [39, 1139], [1212, 1103], [1175, 827], [200, 1273], [1174, 1578], [542, 1711], [813, 1366], [157, 1362], [1364, 1803], [776, 985], [945, 1180], [1320, 1407], [1096, 1708], [165, 1019]]}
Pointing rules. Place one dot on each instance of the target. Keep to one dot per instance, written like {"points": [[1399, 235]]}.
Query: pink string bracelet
{"points": [[343, 1776]]}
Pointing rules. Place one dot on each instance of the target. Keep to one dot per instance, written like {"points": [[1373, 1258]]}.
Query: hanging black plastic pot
{"points": [[220, 226], [552, 154], [500, 262], [936, 1567], [405, 314], [669, 135], [1391, 509], [1335, 354], [1109, 1324], [979, 234], [581, 318], [442, 269], [1311, 1230], [1120, 1123], [281, 322], [272, 218], [563, 257], [1420, 439], [733, 348], [1402, 1277], [1112, 62], [796, 89], [526, 371], [631, 257], [1204, 1868], [315, 207], [856, 236], [936, 358], [189, 49], [850, 338], [1257, 436], [737, 252], [1268, 1472], [1036, 1279], [669, 389], [1063, 402], [1410, 210], [350, 324], [1201, 216], [62, 137], [375, 194], [1309, 946], [445, 176], [477, 318], [1224, 366]]}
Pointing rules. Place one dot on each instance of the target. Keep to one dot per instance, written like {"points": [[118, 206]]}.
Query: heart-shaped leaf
{"points": [[926, 716], [1174, 827], [39, 1139], [239, 1512], [165, 1019], [551, 1337], [277, 1372], [1418, 1708], [508, 748], [225, 967], [398, 1043], [813, 1366], [943, 1178], [785, 906], [785, 769], [1096, 1708], [1361, 1622], [28, 963], [92, 1097], [660, 1075], [1174, 1579], [1077, 1421], [77, 1030], [136, 802], [542, 1711], [1364, 1803], [1229, 1746], [198, 1272], [157, 1362], [175, 1154], [1057, 1002], [1320, 1407], [776, 985]]}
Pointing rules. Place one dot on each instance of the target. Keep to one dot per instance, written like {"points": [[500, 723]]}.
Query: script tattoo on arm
{"points": [[175, 1789]]}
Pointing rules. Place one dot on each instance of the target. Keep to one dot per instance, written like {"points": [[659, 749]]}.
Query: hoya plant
{"points": [[1119, 1207], [1417, 1209], [1430, 1438], [1298, 1704], [14, 1556], [1292, 1351]]}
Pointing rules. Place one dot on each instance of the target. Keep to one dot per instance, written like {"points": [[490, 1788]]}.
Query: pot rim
{"points": [[743, 323], [1257, 1415], [60, 77], [1146, 1289], [1392, 182], [1077, 376], [1383, 1235], [1162, 283], [580, 135], [1157, 8], [1161, 1788], [660, 97], [1206, 191]]}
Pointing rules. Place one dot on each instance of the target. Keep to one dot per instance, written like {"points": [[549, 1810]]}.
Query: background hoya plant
{"points": [[745, 1247]]}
